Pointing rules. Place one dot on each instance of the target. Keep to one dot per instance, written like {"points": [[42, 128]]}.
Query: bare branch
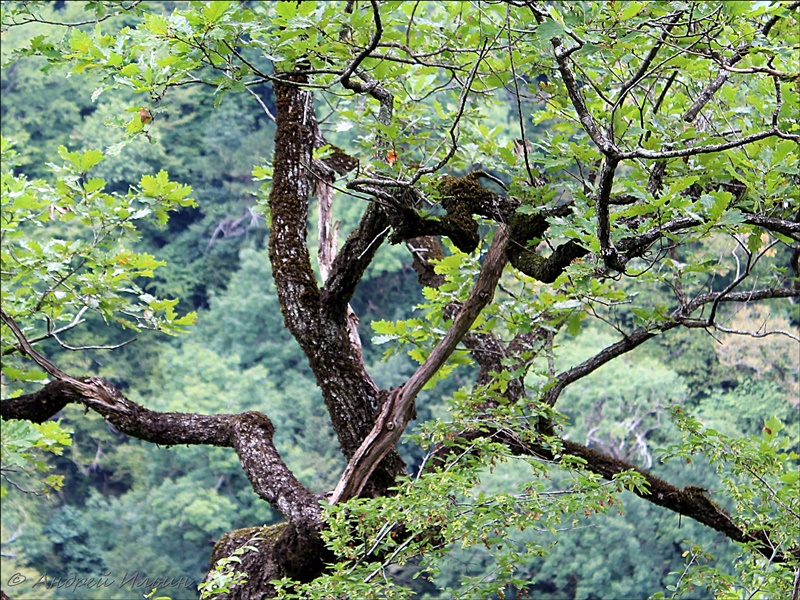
{"points": [[678, 317], [80, 348], [77, 320], [634, 246], [708, 149], [782, 75], [41, 360], [599, 137], [398, 409], [249, 433], [757, 334], [34, 19], [263, 106]]}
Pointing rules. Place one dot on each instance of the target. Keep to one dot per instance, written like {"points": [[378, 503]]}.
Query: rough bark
{"points": [[318, 319], [281, 550], [369, 421], [249, 434]]}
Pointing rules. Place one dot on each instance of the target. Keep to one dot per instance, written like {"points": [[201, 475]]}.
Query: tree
{"points": [[643, 136]]}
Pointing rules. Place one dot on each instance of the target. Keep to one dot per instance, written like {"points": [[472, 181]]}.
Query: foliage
{"points": [[463, 514], [759, 356], [23, 577], [23, 448], [64, 252], [224, 575], [621, 408], [598, 115], [760, 473], [63, 255]]}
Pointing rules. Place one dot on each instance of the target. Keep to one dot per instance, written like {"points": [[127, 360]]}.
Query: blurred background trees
{"points": [[128, 506]]}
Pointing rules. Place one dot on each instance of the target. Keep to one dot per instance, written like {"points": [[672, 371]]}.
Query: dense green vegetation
{"points": [[154, 226]]}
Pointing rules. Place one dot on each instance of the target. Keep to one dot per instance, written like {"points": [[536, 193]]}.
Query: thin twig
{"points": [[79, 348], [34, 19], [462, 103], [263, 106], [531, 178]]}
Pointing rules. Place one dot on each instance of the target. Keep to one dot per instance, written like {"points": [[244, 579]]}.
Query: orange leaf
{"points": [[145, 116]]}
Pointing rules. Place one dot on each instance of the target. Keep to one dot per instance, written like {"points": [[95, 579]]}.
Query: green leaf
{"points": [[383, 326], [754, 241], [574, 323], [80, 41], [90, 158], [732, 217], [681, 184], [94, 184], [73, 157], [214, 10], [129, 70], [631, 10], [782, 151], [549, 29], [286, 10], [156, 23], [772, 426]]}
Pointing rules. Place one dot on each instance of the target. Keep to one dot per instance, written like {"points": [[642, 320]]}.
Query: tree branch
{"points": [[350, 394], [372, 86], [708, 149], [638, 337], [562, 55], [462, 104], [77, 320], [635, 246], [603, 196], [94, 394], [248, 433], [344, 78], [688, 501], [487, 349], [353, 259], [646, 61], [398, 409], [712, 88], [288, 200], [34, 19]]}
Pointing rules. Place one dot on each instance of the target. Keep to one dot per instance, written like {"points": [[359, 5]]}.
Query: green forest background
{"points": [[130, 507]]}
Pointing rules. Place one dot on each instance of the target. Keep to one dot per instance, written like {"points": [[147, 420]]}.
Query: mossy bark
{"points": [[314, 316], [281, 550]]}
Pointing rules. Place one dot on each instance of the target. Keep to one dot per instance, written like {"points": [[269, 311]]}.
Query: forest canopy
{"points": [[371, 299]]}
